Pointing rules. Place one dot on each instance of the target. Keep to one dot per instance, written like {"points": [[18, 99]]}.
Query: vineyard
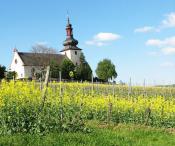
{"points": [[68, 106]]}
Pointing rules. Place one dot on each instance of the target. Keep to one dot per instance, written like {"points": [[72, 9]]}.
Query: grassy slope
{"points": [[122, 135]]}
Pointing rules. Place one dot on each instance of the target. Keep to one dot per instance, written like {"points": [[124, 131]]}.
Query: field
{"points": [[120, 135], [28, 110]]}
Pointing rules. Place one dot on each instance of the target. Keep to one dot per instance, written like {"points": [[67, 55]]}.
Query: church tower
{"points": [[70, 45]]}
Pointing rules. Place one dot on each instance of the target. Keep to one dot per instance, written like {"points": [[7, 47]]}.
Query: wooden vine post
{"points": [[130, 88], [147, 115], [44, 90], [109, 113], [61, 99], [113, 87], [92, 82]]}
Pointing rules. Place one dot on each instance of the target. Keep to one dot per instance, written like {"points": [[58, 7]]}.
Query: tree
{"points": [[39, 49], [11, 75], [2, 72], [83, 71], [43, 48], [66, 67], [54, 69], [106, 70]]}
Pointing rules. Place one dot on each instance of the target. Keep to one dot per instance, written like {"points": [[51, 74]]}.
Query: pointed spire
{"points": [[68, 19], [69, 28]]}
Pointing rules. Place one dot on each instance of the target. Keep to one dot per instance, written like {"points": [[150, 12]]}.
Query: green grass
{"points": [[101, 135]]}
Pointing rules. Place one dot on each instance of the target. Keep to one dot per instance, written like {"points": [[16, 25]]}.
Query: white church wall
{"points": [[67, 53], [28, 70], [73, 55], [22, 71], [17, 66]]}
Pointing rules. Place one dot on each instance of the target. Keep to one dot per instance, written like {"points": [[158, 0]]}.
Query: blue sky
{"points": [[137, 35]]}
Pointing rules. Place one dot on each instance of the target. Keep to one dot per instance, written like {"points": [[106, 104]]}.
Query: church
{"points": [[25, 64]]}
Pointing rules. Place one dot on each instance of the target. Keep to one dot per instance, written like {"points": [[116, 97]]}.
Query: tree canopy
{"points": [[54, 68], [83, 71], [11, 75], [2, 72], [66, 67], [43, 48], [106, 70]]}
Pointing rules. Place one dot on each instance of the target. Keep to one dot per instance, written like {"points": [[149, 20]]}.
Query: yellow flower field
{"points": [[21, 102]]}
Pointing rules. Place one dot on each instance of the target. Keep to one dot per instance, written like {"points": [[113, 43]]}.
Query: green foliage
{"points": [[11, 75], [121, 135], [54, 69], [69, 105], [83, 71], [106, 70], [20, 111], [71, 74], [2, 72], [66, 67]]}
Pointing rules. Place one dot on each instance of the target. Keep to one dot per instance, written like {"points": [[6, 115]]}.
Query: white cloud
{"points": [[154, 42], [162, 43], [166, 46], [167, 64], [154, 53], [170, 41], [168, 51], [144, 29], [169, 21], [102, 38]]}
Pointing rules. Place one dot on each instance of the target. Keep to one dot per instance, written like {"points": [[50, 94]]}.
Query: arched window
{"points": [[16, 61], [75, 52]]}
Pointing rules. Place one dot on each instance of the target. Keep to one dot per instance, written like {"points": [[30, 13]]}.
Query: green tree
{"points": [[66, 67], [83, 71], [106, 70], [54, 69], [11, 75], [2, 72]]}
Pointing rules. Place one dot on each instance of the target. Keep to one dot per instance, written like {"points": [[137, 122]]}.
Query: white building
{"points": [[26, 64]]}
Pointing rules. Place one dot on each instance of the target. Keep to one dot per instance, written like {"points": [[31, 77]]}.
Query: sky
{"points": [[138, 36]]}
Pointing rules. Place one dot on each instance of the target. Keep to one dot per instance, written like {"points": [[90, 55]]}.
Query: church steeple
{"points": [[69, 35], [70, 45]]}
